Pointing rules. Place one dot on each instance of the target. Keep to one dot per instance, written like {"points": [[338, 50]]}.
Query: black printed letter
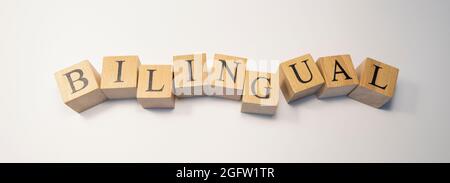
{"points": [[81, 78], [342, 71], [224, 65], [267, 88], [119, 71], [150, 81], [298, 76], [191, 78], [374, 79]]}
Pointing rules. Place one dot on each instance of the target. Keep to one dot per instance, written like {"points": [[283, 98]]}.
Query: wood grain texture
{"points": [[227, 76], [155, 86], [79, 86], [261, 93], [299, 77], [119, 76], [339, 75], [190, 73], [377, 83]]}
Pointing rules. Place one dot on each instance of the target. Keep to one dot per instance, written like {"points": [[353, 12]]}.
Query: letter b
{"points": [[79, 79]]}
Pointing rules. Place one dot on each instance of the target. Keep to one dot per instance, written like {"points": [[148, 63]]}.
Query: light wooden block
{"points": [[261, 93], [190, 73], [377, 83], [339, 74], [155, 86], [227, 77], [79, 86], [299, 77], [119, 76]]}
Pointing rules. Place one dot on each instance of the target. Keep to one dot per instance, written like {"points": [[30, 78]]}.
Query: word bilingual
{"points": [[156, 86]]}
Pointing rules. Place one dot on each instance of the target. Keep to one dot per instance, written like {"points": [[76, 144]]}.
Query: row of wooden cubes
{"points": [[155, 86]]}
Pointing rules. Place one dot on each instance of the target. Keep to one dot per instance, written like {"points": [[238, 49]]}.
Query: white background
{"points": [[38, 38]]}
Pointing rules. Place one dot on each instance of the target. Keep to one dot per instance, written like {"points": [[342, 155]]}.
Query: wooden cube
{"points": [[227, 77], [339, 74], [299, 77], [155, 86], [377, 83], [79, 86], [119, 76], [261, 93], [190, 73]]}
